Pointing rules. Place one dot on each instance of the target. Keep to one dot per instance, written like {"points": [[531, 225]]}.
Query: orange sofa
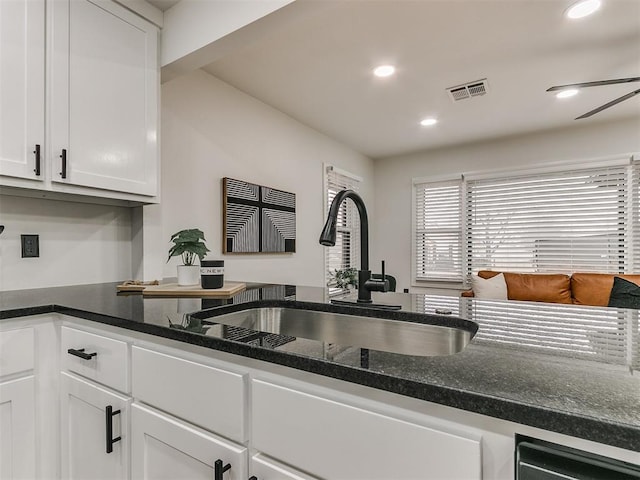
{"points": [[578, 289]]}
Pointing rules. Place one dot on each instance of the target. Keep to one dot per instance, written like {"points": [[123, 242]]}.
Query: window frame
{"points": [[631, 224], [415, 230]]}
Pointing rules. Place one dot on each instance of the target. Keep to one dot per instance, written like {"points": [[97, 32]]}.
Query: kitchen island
{"points": [[586, 387]]}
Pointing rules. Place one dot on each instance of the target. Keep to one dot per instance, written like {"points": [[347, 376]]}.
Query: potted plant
{"points": [[344, 278], [189, 244]]}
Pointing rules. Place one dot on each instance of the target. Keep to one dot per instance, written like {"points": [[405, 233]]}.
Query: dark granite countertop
{"points": [[568, 369]]}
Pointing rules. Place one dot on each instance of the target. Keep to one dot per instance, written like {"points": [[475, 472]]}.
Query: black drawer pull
{"points": [[219, 469], [37, 153], [253, 477], [80, 353], [109, 414], [63, 173]]}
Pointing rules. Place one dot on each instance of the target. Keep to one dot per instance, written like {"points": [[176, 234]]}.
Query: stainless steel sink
{"points": [[408, 338]]}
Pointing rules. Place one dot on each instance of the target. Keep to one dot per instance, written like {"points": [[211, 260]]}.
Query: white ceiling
{"points": [[318, 69]]}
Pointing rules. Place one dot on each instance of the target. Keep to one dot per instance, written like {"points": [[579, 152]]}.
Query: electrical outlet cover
{"points": [[30, 246]]}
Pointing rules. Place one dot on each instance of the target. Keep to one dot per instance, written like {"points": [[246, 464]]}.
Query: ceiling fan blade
{"points": [[594, 84], [610, 104]]}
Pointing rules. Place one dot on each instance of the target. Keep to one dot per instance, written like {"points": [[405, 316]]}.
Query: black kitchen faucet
{"points": [[366, 284]]}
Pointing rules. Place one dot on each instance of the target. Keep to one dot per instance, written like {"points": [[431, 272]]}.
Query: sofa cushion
{"points": [[624, 294], [535, 287], [494, 288], [595, 288]]}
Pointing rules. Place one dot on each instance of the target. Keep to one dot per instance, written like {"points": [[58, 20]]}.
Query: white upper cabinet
{"points": [[104, 97], [79, 93], [22, 87]]}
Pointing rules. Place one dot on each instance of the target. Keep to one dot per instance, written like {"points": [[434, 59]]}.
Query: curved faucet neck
{"points": [[364, 222]]}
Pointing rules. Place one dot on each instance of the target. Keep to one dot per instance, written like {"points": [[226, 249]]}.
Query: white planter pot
{"points": [[188, 275]]}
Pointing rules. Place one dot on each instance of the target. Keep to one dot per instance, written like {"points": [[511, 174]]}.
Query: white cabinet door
{"points": [[22, 33], [264, 468], [92, 420], [332, 439], [104, 97], [164, 447], [17, 429], [218, 402]]}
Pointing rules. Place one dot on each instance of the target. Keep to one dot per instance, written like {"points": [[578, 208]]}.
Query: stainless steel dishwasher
{"points": [[539, 460]]}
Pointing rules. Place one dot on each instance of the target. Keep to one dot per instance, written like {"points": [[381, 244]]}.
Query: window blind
{"points": [[583, 219], [596, 333], [430, 303], [606, 335], [557, 222], [634, 216], [346, 252], [438, 231]]}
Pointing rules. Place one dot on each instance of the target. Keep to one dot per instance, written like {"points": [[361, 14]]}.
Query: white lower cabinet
{"points": [[332, 439], [95, 436], [17, 429], [164, 447], [264, 468], [17, 402], [182, 414], [196, 390]]}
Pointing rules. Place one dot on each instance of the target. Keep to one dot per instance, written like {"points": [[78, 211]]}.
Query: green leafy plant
{"points": [[343, 278], [190, 244]]}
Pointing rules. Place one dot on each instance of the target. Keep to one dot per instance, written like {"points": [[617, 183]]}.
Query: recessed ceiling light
{"points": [[427, 122], [583, 8], [384, 71], [567, 93]]}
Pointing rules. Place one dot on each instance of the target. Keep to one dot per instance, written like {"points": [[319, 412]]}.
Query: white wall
{"points": [[393, 176], [193, 24], [211, 130], [79, 243]]}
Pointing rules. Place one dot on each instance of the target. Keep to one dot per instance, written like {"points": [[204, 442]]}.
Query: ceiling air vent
{"points": [[468, 90]]}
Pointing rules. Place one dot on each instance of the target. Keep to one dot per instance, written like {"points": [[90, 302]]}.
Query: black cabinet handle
{"points": [[37, 153], [80, 353], [219, 469], [109, 414], [253, 477], [63, 173]]}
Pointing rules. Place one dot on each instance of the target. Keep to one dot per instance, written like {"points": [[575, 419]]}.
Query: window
{"points": [[438, 231], [346, 252], [584, 219]]}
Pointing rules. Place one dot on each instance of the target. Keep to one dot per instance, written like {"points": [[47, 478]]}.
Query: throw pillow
{"points": [[494, 288], [624, 294]]}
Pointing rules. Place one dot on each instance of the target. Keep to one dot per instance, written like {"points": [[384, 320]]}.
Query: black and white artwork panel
{"points": [[258, 219]]}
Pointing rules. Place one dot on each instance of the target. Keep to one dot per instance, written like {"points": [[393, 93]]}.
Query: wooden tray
{"points": [[134, 287], [174, 290]]}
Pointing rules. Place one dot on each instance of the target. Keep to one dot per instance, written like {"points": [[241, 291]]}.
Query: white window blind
{"points": [[430, 303], [438, 231], [346, 252], [557, 222], [602, 334], [634, 216], [583, 219], [596, 333]]}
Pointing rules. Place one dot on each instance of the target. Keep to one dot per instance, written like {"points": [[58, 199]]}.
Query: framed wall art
{"points": [[257, 219]]}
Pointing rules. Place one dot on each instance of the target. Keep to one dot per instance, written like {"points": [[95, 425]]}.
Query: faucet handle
{"points": [[378, 284]]}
